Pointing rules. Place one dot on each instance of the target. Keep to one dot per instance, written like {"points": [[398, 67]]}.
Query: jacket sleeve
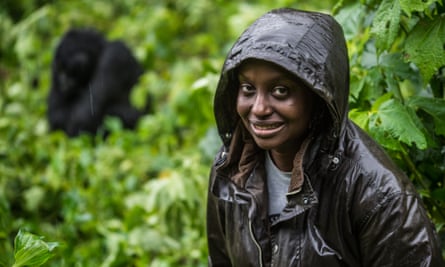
{"points": [[218, 256], [397, 232]]}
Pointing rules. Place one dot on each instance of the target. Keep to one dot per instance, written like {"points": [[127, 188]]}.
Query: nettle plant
{"points": [[397, 52]]}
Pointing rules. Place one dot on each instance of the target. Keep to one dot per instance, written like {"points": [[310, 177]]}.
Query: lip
{"points": [[266, 129]]}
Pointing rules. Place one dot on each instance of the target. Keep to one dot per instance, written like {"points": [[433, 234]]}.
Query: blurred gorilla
{"points": [[91, 78]]}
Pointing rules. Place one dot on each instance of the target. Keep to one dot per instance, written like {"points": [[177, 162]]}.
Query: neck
{"points": [[283, 161]]}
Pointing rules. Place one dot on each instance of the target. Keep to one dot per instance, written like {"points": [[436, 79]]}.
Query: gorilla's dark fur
{"points": [[91, 78]]}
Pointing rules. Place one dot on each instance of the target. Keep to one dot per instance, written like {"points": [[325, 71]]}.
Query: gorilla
{"points": [[91, 78]]}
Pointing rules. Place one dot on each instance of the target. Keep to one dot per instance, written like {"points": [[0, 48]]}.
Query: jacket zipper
{"points": [[256, 244]]}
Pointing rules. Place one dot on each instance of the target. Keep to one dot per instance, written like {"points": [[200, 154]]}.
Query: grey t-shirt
{"points": [[278, 186]]}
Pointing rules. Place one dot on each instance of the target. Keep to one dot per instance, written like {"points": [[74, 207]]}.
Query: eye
{"points": [[280, 91], [246, 89]]}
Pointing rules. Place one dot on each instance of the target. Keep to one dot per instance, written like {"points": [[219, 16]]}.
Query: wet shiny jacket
{"points": [[348, 204]]}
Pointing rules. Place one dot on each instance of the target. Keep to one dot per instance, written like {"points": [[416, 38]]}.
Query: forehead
{"points": [[252, 66]]}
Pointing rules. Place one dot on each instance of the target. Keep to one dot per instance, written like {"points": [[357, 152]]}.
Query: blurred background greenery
{"points": [[138, 197]]}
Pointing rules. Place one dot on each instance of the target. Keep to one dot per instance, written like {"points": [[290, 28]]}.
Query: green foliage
{"points": [[386, 23], [398, 87], [137, 198], [434, 107], [392, 120], [425, 46]]}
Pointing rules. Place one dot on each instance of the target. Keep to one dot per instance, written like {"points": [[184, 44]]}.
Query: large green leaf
{"points": [[386, 24], [434, 107], [400, 123], [425, 46], [31, 250]]}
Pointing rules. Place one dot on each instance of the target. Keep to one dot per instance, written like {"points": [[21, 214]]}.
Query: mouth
{"points": [[264, 130]]}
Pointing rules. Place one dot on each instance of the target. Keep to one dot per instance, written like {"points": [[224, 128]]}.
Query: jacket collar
{"points": [[244, 155]]}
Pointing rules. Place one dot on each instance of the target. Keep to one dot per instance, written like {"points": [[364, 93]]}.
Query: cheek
{"points": [[304, 106], [242, 106], [298, 111]]}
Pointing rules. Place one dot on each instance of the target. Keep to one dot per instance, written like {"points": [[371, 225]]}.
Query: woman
{"points": [[296, 183]]}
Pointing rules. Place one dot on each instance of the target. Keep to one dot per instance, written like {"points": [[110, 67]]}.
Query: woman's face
{"points": [[274, 107]]}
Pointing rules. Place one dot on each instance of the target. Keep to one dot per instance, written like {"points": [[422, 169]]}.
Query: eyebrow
{"points": [[282, 77]]}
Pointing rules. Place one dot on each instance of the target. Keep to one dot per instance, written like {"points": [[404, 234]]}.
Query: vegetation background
{"points": [[138, 197]]}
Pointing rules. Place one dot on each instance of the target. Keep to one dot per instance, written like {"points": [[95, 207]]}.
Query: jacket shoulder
{"points": [[372, 162], [372, 177]]}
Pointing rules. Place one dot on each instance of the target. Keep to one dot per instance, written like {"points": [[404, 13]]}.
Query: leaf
{"points": [[361, 118], [381, 100], [350, 18], [434, 107], [409, 6], [381, 136], [397, 120], [372, 88], [393, 63], [424, 46], [30, 249], [386, 24]]}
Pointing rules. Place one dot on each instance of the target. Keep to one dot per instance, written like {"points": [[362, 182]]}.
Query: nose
{"points": [[261, 106]]}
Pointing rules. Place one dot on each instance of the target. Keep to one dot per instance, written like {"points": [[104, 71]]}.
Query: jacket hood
{"points": [[309, 45]]}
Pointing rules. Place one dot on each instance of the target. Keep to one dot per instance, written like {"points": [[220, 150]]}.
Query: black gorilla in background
{"points": [[91, 78]]}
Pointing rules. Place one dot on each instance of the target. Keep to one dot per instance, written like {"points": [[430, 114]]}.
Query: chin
{"points": [[266, 145]]}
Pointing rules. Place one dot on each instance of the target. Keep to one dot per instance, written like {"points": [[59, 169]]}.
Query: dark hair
{"points": [[321, 120]]}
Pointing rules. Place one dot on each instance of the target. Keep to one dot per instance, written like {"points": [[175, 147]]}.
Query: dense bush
{"points": [[137, 198]]}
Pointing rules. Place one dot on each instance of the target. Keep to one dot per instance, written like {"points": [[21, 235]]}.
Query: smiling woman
{"points": [[296, 183], [274, 108]]}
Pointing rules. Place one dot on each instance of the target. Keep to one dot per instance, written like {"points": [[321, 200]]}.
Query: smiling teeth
{"points": [[266, 127]]}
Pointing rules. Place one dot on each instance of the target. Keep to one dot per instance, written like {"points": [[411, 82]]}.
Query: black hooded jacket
{"points": [[348, 204]]}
